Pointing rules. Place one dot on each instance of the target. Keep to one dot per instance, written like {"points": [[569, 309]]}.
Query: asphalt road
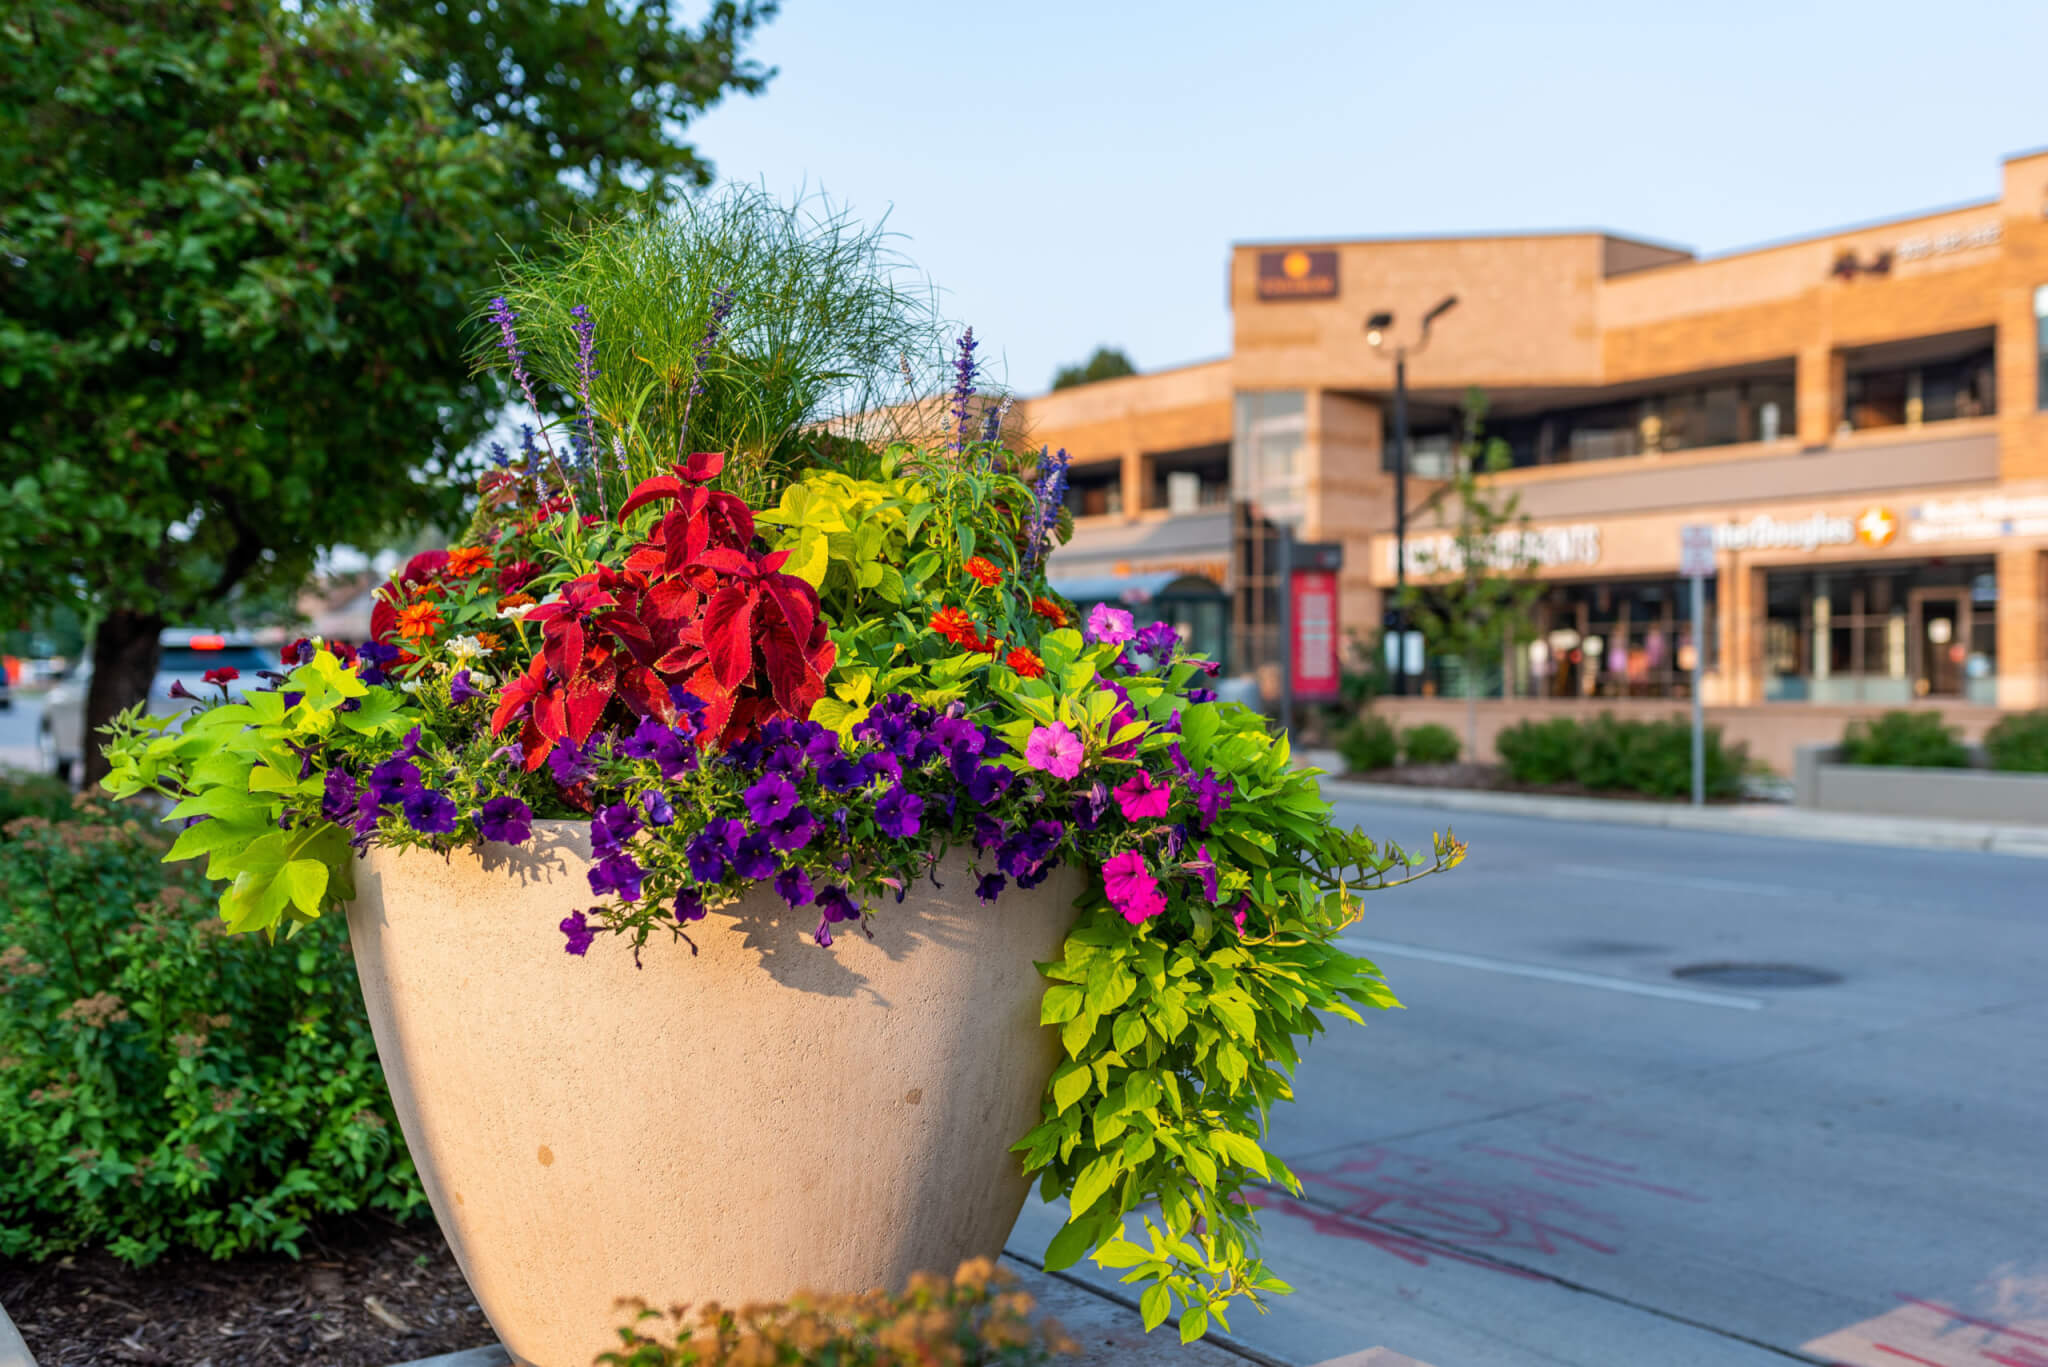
{"points": [[1561, 1153], [18, 732]]}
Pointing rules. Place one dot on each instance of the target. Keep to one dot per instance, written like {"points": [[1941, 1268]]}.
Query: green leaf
{"points": [[305, 882], [1070, 1244], [1128, 1032], [1075, 1035], [1095, 1179], [1069, 1085], [1155, 1305], [1061, 1002], [1194, 1322]]}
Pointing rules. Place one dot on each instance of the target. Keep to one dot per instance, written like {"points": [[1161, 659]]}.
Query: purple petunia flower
{"points": [[393, 780], [836, 905], [710, 850], [771, 799], [658, 809], [958, 735], [842, 774], [988, 782], [646, 740], [568, 764], [1181, 766], [1212, 796], [794, 885], [989, 832], [881, 764], [1205, 869], [429, 812], [1089, 807], [989, 887], [752, 858], [1200, 695], [612, 827], [461, 690], [618, 873], [507, 819], [896, 815], [338, 803], [1158, 641], [689, 907], [576, 927], [1142, 796], [794, 831]]}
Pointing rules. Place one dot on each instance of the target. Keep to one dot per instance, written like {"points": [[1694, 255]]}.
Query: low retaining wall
{"points": [[1825, 784]]}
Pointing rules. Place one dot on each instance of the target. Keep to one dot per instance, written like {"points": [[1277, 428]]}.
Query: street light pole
{"points": [[1376, 330]]}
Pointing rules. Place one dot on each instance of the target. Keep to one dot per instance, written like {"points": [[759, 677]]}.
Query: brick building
{"points": [[1862, 415]]}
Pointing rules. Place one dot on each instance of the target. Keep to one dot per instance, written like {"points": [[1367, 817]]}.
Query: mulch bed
{"points": [[366, 1294], [1493, 779]]}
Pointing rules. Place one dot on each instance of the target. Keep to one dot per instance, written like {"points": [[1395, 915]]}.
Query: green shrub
{"points": [[1540, 751], [969, 1321], [2019, 743], [163, 1084], [1915, 740], [1610, 754], [1429, 743], [40, 795], [1368, 744]]}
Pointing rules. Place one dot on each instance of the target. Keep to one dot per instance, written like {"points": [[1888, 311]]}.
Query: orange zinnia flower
{"points": [[1050, 611], [488, 640], [1026, 664], [984, 572], [515, 600], [418, 621], [463, 561]]}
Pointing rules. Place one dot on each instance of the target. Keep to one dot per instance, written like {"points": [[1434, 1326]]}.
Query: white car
{"points": [[185, 657]]}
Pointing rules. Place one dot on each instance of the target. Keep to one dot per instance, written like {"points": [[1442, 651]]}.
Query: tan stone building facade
{"points": [[1861, 415]]}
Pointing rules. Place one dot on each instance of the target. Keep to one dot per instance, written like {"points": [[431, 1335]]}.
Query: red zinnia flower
{"points": [[1050, 611], [955, 625], [418, 621], [1026, 664], [984, 572], [463, 561]]}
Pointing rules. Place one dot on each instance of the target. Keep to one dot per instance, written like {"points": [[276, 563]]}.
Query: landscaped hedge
{"points": [[2019, 743], [1915, 740], [1368, 744], [1607, 754], [163, 1084], [1429, 743]]}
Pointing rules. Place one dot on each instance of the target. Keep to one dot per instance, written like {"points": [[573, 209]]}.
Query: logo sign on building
{"points": [[1991, 517], [1696, 551], [1576, 543], [1297, 273], [1315, 636]]}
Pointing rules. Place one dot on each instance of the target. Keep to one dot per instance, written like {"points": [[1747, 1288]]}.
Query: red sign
{"points": [[1315, 636]]}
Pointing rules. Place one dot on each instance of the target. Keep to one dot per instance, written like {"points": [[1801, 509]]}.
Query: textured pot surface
{"points": [[734, 1124]]}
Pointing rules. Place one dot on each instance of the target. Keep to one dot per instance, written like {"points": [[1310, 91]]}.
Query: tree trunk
{"points": [[124, 657]]}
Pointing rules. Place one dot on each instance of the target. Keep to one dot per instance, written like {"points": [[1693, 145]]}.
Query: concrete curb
{"points": [[13, 1352], [1765, 819], [492, 1356]]}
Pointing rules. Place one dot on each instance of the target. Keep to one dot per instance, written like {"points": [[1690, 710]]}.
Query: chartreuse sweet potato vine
{"points": [[822, 690]]}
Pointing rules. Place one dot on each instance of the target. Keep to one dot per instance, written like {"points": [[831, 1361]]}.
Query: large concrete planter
{"points": [[732, 1124]]}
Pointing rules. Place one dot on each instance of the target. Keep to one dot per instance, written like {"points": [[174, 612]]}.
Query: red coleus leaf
{"points": [[701, 465], [534, 745], [587, 694], [563, 647], [790, 606], [518, 693], [649, 491], [729, 634], [641, 689], [725, 560]]}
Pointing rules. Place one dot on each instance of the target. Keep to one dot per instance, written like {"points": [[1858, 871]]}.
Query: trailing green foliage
{"points": [[1608, 754], [1906, 739], [1367, 744], [161, 1084], [1429, 743], [2018, 743]]}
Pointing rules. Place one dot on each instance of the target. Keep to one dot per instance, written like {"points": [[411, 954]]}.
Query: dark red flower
{"points": [[223, 676]]}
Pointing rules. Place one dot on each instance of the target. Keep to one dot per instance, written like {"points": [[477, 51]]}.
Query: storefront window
{"points": [[1934, 379], [2041, 345], [1271, 430], [1625, 639], [1882, 634]]}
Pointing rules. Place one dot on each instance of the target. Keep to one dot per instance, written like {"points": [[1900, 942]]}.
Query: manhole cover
{"points": [[1757, 975]]}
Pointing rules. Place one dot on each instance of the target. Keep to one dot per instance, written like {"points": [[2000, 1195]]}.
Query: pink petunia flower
{"points": [[1132, 889], [1142, 796], [1111, 626], [1054, 749]]}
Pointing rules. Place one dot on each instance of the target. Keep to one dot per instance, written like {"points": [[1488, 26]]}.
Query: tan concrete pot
{"points": [[759, 1117]]}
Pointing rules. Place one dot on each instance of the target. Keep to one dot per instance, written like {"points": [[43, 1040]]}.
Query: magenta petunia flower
{"points": [[1055, 750], [1132, 889], [1142, 796], [1111, 626]]}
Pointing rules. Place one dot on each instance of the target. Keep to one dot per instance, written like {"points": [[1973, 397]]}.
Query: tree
{"points": [[1108, 363], [240, 240], [1479, 588]]}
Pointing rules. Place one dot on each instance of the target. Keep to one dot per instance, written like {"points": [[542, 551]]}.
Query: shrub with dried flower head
{"points": [[818, 666], [163, 1085]]}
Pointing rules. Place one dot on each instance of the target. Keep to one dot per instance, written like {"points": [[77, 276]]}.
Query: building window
{"points": [[1882, 634], [1929, 379], [2041, 346], [1266, 451], [1623, 639], [1189, 480], [1096, 490], [1675, 417]]}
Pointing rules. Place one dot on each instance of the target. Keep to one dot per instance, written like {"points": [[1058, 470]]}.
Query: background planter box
{"points": [[1976, 794]]}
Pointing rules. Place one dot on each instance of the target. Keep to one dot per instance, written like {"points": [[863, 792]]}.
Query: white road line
{"points": [[1555, 975], [1681, 881]]}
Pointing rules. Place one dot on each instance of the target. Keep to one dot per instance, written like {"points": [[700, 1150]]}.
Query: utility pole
{"points": [[1376, 330]]}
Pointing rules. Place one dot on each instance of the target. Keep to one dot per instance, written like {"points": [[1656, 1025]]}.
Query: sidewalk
{"points": [[1749, 818]]}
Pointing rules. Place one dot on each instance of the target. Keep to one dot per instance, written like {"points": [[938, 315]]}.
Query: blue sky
{"points": [[1070, 173]]}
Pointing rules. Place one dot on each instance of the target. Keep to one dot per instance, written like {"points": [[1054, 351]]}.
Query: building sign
{"points": [[1542, 547], [1946, 244], [1989, 517], [1315, 636], [1297, 273], [1766, 533]]}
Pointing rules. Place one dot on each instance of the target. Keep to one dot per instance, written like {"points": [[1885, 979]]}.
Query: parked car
{"points": [[184, 657]]}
